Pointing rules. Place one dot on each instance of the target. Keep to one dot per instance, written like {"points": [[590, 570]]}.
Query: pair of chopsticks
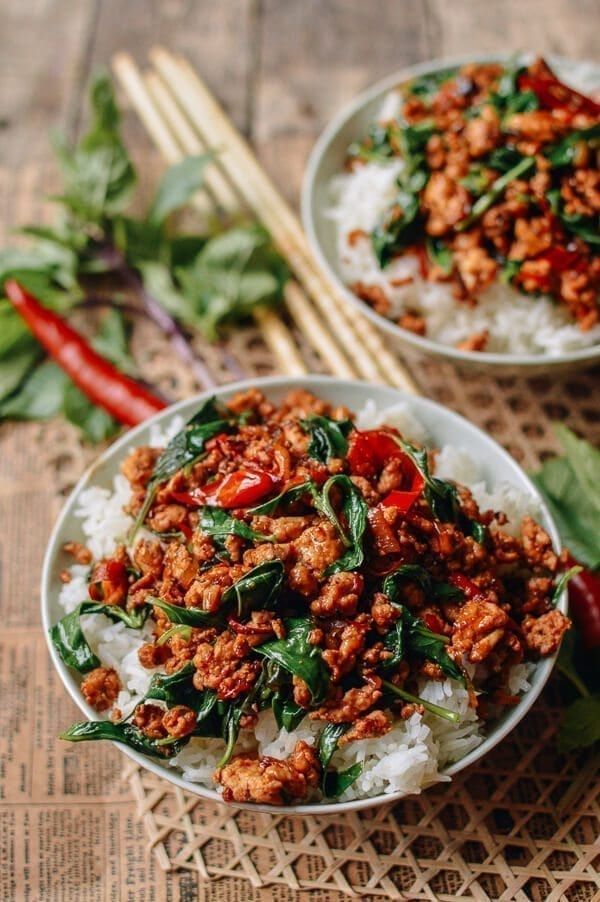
{"points": [[183, 118]]}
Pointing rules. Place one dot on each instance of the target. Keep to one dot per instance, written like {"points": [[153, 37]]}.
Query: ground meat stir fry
{"points": [[311, 569], [501, 181]]}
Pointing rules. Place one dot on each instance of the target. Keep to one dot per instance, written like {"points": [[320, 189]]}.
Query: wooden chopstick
{"points": [[299, 306], [275, 333], [241, 166]]}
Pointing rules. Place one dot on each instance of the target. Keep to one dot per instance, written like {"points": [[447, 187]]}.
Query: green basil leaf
{"points": [[187, 616], [570, 488], [218, 523], [126, 734], [40, 396], [96, 424], [334, 783], [295, 493], [299, 657], [231, 731], [441, 496], [178, 185], [288, 714], [580, 727], [354, 510], [98, 175], [563, 152], [426, 86], [169, 687], [439, 254], [70, 642], [235, 272], [415, 573], [257, 590], [328, 437]]}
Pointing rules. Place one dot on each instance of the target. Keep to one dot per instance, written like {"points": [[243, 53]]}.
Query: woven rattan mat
{"points": [[521, 824]]}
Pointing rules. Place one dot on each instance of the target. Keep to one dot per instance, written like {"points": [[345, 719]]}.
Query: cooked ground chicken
{"points": [[302, 585]]}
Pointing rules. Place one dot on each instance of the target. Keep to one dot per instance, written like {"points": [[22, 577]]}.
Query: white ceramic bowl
{"points": [[327, 160], [442, 425]]}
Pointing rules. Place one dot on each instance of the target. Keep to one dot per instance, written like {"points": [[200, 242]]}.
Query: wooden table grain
{"points": [[281, 69]]}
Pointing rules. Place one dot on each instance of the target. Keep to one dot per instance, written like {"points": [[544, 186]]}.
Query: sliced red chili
{"points": [[109, 582], [244, 487], [433, 622]]}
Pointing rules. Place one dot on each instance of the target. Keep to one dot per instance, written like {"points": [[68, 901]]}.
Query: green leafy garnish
{"points": [[126, 734], [570, 486], [257, 590], [187, 616], [299, 657], [70, 642], [218, 523], [426, 86], [328, 438], [354, 511], [410, 635], [580, 727], [440, 255], [334, 783], [563, 153], [294, 493]]}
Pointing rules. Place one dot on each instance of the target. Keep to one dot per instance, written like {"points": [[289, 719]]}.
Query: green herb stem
{"points": [[452, 716], [486, 200]]}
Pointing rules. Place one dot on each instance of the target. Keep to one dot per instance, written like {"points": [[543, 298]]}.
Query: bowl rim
{"points": [[420, 343], [113, 455]]}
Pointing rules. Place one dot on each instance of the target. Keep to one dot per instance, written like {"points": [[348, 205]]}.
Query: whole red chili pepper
{"points": [[122, 397]]}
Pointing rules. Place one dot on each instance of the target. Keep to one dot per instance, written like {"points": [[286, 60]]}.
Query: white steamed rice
{"points": [[408, 758], [517, 323]]}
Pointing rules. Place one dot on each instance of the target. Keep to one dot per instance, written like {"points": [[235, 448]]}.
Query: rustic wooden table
{"points": [[282, 69]]}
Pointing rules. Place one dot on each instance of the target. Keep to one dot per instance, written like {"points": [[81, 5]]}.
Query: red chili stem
{"points": [[122, 397]]}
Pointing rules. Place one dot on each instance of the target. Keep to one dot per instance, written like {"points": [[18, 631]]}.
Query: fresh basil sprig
{"points": [[70, 642]]}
